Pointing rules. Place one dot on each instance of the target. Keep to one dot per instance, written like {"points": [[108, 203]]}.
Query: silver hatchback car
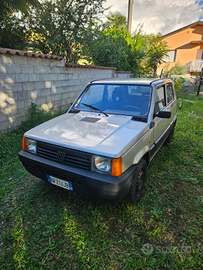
{"points": [[102, 146]]}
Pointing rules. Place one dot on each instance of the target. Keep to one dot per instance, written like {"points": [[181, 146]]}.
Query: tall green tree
{"points": [[11, 6], [116, 19], [155, 49], [137, 53], [110, 44], [59, 26], [13, 33], [107, 47]]}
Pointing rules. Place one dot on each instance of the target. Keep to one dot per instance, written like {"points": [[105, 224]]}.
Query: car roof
{"points": [[140, 81]]}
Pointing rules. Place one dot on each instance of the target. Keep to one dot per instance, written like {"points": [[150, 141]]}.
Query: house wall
{"points": [[181, 42], [49, 83]]}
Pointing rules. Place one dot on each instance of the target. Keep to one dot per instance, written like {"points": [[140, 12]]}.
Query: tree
{"points": [[107, 48], [13, 33], [112, 45], [155, 49], [59, 27], [116, 19], [10, 6], [136, 42]]}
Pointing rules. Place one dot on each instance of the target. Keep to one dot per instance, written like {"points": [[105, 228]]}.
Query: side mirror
{"points": [[163, 114]]}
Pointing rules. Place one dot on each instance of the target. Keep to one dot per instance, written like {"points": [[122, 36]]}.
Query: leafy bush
{"points": [[177, 70], [179, 84]]}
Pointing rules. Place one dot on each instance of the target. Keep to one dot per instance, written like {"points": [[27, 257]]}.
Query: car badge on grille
{"points": [[60, 156]]}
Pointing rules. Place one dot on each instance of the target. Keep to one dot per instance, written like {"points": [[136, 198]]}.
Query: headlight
{"points": [[107, 165], [102, 164], [30, 145]]}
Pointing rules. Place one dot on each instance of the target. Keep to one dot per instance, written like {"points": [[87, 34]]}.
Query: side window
{"points": [[169, 91], [160, 101]]}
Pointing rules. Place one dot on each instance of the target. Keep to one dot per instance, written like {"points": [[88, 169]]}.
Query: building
{"points": [[186, 48]]}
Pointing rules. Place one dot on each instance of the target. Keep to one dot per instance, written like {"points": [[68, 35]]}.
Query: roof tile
{"points": [[30, 54]]}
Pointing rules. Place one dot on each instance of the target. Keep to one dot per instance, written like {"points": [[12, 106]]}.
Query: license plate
{"points": [[58, 182]]}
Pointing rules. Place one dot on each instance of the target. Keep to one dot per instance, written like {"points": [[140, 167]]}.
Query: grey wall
{"points": [[50, 83]]}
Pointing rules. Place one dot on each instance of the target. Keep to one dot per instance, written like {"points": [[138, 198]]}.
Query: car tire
{"points": [[170, 136], [138, 182]]}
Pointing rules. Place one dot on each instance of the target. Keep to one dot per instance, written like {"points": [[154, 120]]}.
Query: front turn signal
{"points": [[24, 144], [117, 168]]}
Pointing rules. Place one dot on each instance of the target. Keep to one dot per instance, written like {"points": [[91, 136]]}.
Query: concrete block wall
{"points": [[49, 83], [123, 74]]}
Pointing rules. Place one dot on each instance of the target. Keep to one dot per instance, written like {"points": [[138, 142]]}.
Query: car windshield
{"points": [[116, 99]]}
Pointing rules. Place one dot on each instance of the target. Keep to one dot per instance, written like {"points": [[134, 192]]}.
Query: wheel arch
{"points": [[143, 154], [146, 157]]}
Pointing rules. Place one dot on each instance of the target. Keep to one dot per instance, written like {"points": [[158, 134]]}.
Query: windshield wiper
{"points": [[74, 110], [94, 108], [139, 118]]}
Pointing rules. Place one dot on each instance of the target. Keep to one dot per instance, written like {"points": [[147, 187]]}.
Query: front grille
{"points": [[64, 155]]}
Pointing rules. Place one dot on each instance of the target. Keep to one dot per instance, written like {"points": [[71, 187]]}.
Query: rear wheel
{"points": [[138, 182]]}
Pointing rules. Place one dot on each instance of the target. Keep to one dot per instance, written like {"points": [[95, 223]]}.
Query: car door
{"points": [[171, 101], [161, 125]]}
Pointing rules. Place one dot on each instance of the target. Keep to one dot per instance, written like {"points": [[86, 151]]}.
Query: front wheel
{"points": [[138, 182]]}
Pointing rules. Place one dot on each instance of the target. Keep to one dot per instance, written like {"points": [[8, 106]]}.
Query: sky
{"points": [[159, 15]]}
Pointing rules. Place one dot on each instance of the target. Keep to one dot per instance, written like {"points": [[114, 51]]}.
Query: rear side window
{"points": [[159, 99], [169, 92]]}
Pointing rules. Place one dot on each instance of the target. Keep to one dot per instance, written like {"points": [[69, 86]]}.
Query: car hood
{"points": [[91, 132]]}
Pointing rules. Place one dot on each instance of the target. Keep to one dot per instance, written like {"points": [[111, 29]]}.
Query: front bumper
{"points": [[100, 186]]}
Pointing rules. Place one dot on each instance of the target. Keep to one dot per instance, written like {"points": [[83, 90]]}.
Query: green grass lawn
{"points": [[45, 227]]}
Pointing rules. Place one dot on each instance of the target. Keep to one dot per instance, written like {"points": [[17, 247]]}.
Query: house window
{"points": [[171, 57]]}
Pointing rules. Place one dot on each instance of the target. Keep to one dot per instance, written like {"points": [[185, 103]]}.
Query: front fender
{"points": [[140, 154], [136, 152]]}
